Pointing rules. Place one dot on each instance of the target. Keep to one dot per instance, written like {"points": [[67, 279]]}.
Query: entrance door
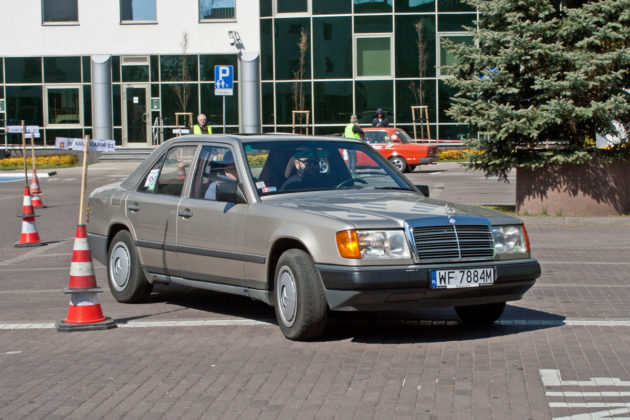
{"points": [[135, 115]]}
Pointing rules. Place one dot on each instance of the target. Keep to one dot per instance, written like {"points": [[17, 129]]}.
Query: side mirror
{"points": [[230, 192], [424, 189]]}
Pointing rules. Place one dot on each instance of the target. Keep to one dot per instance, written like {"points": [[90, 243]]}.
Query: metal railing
{"points": [[157, 131]]}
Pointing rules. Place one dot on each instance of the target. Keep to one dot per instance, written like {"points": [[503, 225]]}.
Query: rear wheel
{"points": [[399, 163], [125, 277], [480, 314], [411, 168], [300, 303]]}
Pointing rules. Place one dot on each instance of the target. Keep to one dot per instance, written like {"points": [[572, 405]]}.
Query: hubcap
{"points": [[119, 267], [286, 295], [398, 164]]}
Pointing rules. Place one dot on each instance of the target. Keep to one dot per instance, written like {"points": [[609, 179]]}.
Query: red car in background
{"points": [[396, 145]]}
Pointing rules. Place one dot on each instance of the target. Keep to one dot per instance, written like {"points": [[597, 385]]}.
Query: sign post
{"points": [[224, 84]]}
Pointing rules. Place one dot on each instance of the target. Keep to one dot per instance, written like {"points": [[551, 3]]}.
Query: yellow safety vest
{"points": [[349, 134], [197, 129]]}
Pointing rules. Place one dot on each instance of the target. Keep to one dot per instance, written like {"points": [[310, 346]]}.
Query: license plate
{"points": [[471, 277]]}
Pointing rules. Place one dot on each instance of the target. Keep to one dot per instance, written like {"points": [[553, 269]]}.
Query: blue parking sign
{"points": [[223, 80]]}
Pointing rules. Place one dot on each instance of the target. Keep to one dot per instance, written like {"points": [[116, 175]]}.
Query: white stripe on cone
{"points": [[28, 226], [83, 299], [81, 269], [81, 244]]}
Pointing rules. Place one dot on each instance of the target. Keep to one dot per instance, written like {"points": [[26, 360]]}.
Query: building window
{"points": [[212, 10], [137, 11], [373, 56], [447, 58], [63, 106], [292, 6], [60, 11]]}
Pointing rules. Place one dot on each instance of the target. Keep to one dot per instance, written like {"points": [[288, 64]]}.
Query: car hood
{"points": [[386, 208]]}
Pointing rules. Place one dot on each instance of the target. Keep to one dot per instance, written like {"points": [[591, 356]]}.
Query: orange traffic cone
{"points": [[29, 236], [181, 171], [84, 311], [36, 192]]}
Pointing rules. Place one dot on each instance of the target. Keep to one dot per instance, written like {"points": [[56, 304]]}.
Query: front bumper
{"points": [[396, 288]]}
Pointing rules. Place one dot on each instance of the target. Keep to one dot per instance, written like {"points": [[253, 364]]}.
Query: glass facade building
{"points": [[331, 58], [360, 55]]}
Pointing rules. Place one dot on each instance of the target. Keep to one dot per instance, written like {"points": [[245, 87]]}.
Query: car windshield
{"points": [[403, 136], [279, 167]]}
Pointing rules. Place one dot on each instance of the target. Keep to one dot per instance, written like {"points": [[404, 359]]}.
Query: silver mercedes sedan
{"points": [[306, 224]]}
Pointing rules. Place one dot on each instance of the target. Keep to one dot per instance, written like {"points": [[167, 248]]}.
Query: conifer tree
{"points": [[542, 80]]}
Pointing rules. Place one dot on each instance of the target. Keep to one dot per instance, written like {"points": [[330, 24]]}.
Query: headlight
{"points": [[372, 244], [510, 240]]}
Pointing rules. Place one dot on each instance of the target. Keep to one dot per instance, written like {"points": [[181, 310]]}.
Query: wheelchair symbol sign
{"points": [[223, 80]]}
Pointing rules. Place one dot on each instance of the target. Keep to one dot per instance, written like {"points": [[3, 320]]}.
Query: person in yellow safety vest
{"points": [[353, 131], [202, 128]]}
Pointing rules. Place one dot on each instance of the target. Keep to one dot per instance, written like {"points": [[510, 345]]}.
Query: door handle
{"points": [[186, 213], [133, 207]]}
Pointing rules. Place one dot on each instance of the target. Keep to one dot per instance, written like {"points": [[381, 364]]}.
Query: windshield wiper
{"points": [[392, 188]]}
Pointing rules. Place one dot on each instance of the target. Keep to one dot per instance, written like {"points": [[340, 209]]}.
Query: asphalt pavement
{"points": [[561, 352]]}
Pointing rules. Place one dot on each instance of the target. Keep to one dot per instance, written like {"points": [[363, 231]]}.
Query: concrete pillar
{"points": [[249, 88], [101, 97]]}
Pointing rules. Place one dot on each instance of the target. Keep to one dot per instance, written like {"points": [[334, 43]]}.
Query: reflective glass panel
{"points": [[266, 53], [62, 69], [115, 68], [60, 11], [87, 69], [329, 7], [265, 8], [135, 73], [207, 63], [285, 102], [455, 22], [143, 10], [371, 96], [447, 58], [287, 47], [332, 57], [415, 5], [412, 92], [445, 94], [23, 69], [266, 92], [87, 105], [373, 24], [454, 6], [372, 6], [63, 106], [409, 30], [24, 103], [292, 6], [180, 97], [374, 56], [454, 132], [172, 67], [333, 102], [212, 106], [217, 9]]}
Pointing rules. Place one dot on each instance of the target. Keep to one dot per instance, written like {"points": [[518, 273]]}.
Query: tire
{"points": [[299, 300], [480, 314], [411, 168], [399, 163], [125, 277]]}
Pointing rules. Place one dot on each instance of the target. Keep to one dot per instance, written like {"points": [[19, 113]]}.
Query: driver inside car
{"points": [[305, 172]]}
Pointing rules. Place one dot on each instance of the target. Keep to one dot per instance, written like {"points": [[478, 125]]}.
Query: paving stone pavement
{"points": [[190, 355]]}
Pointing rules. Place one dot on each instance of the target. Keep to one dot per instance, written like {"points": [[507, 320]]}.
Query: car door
{"points": [[210, 233], [152, 208]]}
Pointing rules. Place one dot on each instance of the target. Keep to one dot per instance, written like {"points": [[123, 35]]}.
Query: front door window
{"points": [[136, 117]]}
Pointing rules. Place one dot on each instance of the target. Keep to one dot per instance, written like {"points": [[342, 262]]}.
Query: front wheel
{"points": [[300, 303], [125, 277], [399, 163], [480, 314]]}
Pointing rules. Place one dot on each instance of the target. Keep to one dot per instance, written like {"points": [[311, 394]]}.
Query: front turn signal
{"points": [[348, 244]]}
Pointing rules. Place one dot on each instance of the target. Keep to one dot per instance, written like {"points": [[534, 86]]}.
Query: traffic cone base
{"points": [[63, 326], [36, 199]]}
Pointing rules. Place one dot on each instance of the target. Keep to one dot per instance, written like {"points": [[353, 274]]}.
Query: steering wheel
{"points": [[349, 180]]}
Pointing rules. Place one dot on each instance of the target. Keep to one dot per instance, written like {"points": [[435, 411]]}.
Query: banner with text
{"points": [[78, 144]]}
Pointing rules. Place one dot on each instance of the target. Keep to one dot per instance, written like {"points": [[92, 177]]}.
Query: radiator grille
{"points": [[453, 242]]}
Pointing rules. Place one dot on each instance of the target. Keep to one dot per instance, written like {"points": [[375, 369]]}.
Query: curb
{"points": [[13, 174]]}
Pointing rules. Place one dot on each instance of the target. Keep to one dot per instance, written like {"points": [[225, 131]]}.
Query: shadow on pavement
{"points": [[422, 326]]}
